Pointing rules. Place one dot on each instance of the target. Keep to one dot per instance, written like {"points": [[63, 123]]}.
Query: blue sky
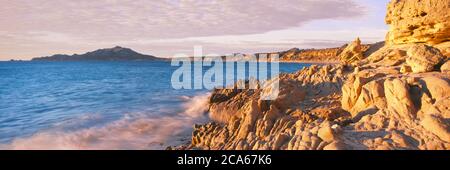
{"points": [[32, 28]]}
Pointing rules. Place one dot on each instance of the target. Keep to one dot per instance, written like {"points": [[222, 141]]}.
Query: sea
{"points": [[99, 105]]}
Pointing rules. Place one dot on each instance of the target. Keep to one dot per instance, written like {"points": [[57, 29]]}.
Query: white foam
{"points": [[143, 133], [197, 106], [184, 98]]}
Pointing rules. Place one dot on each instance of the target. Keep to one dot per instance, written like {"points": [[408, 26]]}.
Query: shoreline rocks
{"points": [[396, 97], [422, 58], [353, 52]]}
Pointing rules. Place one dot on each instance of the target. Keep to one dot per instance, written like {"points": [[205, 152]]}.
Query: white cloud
{"points": [[122, 19], [51, 24]]}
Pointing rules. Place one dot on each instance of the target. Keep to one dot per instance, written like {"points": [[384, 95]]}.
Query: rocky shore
{"points": [[327, 55], [393, 95]]}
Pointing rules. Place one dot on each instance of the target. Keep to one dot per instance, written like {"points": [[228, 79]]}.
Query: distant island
{"points": [[296, 55], [118, 53], [108, 54]]}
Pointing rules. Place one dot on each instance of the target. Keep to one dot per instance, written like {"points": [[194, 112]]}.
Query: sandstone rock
{"points": [[351, 91], [322, 55], [444, 48], [405, 69], [373, 48], [290, 93], [335, 146], [437, 87], [327, 134], [352, 52], [329, 113], [252, 112], [445, 67], [390, 57], [413, 21], [315, 142], [398, 98], [437, 126], [272, 114], [400, 139], [423, 58], [395, 57], [225, 104], [364, 95], [280, 140], [306, 136], [386, 56], [442, 108], [372, 95]]}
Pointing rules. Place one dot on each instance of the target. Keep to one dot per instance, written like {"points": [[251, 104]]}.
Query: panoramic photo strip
{"points": [[224, 83]]}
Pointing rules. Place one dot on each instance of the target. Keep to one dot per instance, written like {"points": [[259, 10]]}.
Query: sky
{"points": [[35, 28]]}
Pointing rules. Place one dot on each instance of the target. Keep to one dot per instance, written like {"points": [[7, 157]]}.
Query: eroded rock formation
{"points": [[320, 55], [306, 99], [396, 97], [418, 21], [353, 52]]}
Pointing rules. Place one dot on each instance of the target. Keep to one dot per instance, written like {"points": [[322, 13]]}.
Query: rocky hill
{"points": [[316, 55], [326, 55], [107, 54], [396, 96]]}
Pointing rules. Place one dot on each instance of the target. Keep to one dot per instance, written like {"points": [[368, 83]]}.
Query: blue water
{"points": [[36, 97]]}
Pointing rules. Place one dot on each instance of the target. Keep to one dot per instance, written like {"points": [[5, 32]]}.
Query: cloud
{"points": [[42, 27], [224, 44], [114, 19], [253, 43]]}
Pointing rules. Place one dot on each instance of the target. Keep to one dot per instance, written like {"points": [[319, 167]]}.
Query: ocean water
{"points": [[97, 105]]}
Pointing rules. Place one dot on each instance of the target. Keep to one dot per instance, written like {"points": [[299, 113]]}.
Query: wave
{"points": [[141, 133]]}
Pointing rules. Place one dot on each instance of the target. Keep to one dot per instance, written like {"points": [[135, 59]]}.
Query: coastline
{"points": [[395, 98], [294, 62], [330, 107], [312, 62], [226, 76]]}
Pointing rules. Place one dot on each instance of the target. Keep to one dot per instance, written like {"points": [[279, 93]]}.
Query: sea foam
{"points": [[156, 132]]}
